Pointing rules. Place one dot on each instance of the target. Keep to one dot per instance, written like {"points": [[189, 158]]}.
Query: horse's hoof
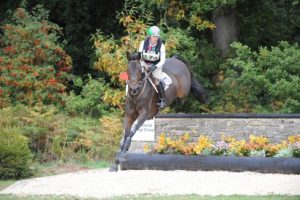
{"points": [[113, 168]]}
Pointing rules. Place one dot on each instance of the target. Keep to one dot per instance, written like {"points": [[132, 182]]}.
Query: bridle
{"points": [[137, 86]]}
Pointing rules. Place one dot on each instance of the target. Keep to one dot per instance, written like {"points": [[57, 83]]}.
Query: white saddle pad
{"points": [[166, 80]]}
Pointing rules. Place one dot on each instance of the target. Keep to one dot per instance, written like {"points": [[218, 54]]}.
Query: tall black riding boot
{"points": [[161, 94]]}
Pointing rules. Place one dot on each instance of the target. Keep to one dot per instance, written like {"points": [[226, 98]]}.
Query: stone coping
{"points": [[232, 115]]}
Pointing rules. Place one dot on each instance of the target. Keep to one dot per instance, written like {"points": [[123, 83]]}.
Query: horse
{"points": [[141, 99]]}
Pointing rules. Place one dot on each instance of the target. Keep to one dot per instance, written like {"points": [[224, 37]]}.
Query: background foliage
{"points": [[34, 67], [60, 63], [266, 81]]}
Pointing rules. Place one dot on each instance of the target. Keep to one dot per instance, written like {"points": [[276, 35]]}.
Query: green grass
{"points": [[5, 183], [59, 167], [97, 165], [148, 197]]}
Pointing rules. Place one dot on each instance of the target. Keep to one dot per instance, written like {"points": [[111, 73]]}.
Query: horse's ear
{"points": [[128, 55]]}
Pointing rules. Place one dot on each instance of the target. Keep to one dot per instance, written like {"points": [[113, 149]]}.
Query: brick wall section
{"points": [[276, 129]]}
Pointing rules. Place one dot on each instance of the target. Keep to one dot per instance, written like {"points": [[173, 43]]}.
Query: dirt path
{"points": [[101, 183]]}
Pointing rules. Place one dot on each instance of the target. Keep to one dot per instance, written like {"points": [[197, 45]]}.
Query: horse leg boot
{"points": [[162, 96], [114, 167], [119, 156]]}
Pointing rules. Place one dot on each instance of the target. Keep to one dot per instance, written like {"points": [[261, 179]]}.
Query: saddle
{"points": [[166, 81]]}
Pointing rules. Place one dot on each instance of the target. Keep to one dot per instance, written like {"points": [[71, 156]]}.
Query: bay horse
{"points": [[141, 99]]}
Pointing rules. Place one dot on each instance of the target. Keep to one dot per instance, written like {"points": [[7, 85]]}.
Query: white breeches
{"points": [[157, 74]]}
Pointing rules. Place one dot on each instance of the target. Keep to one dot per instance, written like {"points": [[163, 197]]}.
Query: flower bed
{"points": [[255, 146], [228, 154]]}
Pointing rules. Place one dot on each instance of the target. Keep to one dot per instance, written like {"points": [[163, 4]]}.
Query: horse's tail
{"points": [[197, 89]]}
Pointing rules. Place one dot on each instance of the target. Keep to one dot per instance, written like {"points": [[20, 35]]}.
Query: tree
{"points": [[265, 22]]}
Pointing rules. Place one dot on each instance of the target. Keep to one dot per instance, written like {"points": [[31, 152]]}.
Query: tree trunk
{"points": [[226, 30]]}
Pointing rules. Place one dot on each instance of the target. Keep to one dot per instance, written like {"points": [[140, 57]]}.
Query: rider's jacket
{"points": [[151, 54]]}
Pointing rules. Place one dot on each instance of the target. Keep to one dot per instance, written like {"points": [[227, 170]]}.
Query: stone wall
{"points": [[240, 126]]}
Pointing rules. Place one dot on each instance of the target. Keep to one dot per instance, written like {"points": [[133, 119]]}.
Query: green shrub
{"points": [[54, 135], [266, 81], [90, 100], [15, 156]]}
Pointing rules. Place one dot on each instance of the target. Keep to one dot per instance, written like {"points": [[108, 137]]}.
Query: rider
{"points": [[153, 57]]}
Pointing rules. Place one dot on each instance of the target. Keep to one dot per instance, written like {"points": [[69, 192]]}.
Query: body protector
{"points": [[151, 55]]}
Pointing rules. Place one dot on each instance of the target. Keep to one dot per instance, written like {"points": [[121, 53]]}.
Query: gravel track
{"points": [[102, 183]]}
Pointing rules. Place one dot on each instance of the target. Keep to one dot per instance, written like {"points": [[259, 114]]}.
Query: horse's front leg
{"points": [[135, 126], [130, 117]]}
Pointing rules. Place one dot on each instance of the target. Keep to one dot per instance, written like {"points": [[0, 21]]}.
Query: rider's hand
{"points": [[152, 68]]}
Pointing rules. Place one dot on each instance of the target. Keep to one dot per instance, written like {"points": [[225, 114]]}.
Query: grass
{"points": [[97, 165], [5, 183], [147, 197], [59, 167]]}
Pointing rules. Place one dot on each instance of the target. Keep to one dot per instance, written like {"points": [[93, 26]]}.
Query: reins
{"points": [[141, 85]]}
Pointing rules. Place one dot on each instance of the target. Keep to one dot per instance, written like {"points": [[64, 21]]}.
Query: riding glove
{"points": [[152, 68]]}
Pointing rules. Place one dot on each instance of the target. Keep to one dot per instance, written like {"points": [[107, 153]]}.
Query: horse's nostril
{"points": [[134, 92]]}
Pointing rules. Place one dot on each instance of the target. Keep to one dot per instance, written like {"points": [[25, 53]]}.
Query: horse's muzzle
{"points": [[134, 87], [134, 91]]}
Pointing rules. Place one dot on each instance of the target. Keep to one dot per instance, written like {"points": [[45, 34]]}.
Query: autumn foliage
{"points": [[34, 68]]}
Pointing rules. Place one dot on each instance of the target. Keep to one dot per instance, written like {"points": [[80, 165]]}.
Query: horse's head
{"points": [[134, 72]]}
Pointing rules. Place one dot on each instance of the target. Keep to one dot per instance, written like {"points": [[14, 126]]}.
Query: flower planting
{"points": [[255, 146]]}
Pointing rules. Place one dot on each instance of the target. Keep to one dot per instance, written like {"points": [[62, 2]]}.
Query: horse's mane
{"points": [[135, 56]]}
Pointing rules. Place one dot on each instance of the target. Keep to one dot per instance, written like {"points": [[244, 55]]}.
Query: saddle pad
{"points": [[167, 81]]}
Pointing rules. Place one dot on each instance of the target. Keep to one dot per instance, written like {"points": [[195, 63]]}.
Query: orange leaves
{"points": [[176, 9], [201, 24], [21, 13], [126, 20], [28, 62], [110, 56], [114, 97], [9, 50], [36, 42], [51, 81], [39, 56]]}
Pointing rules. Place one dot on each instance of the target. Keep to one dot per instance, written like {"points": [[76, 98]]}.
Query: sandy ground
{"points": [[102, 183]]}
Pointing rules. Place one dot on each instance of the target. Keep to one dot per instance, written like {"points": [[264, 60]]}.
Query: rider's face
{"points": [[153, 39]]}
